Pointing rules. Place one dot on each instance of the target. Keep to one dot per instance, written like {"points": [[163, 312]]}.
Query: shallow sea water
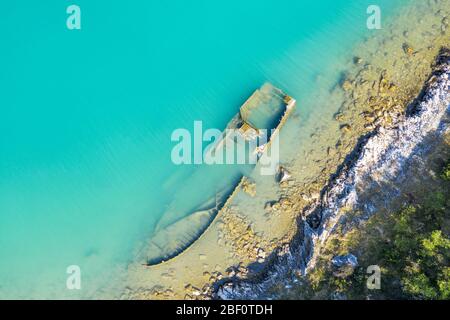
{"points": [[86, 118]]}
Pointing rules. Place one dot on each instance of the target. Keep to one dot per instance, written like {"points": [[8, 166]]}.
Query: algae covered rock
{"points": [[282, 175], [347, 85], [345, 128], [249, 187]]}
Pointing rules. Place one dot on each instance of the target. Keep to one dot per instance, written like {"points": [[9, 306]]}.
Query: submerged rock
{"points": [[345, 128], [357, 60], [408, 49], [282, 175], [249, 187], [347, 85], [269, 205], [339, 116]]}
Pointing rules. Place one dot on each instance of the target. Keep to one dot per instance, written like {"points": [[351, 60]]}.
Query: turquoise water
{"points": [[86, 117]]}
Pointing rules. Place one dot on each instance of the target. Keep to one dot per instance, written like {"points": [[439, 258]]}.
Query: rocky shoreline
{"points": [[379, 159]]}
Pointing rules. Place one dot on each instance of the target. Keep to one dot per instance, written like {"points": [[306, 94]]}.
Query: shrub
{"points": [[446, 172]]}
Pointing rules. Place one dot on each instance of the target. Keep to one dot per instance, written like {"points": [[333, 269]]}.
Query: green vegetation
{"points": [[420, 252], [411, 246], [446, 172]]}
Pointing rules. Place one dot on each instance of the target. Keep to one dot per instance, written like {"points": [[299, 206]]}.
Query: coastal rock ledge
{"points": [[381, 158]]}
